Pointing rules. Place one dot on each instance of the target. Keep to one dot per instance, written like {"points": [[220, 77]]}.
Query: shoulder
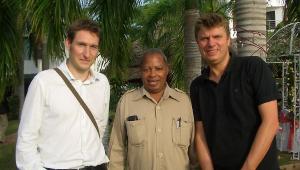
{"points": [[132, 92], [129, 95], [250, 64], [179, 94], [101, 77], [45, 76], [44, 80], [255, 64], [197, 82], [249, 60]]}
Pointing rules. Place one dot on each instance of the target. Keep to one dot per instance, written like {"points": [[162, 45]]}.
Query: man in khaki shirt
{"points": [[154, 125]]}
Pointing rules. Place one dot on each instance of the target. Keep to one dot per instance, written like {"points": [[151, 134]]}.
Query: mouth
{"points": [[152, 82], [85, 61], [211, 52]]}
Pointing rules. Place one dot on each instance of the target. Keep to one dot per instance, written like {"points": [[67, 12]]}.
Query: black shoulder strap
{"points": [[82, 103]]}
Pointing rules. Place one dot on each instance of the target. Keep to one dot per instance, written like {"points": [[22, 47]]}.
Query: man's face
{"points": [[154, 73], [83, 50], [213, 44]]}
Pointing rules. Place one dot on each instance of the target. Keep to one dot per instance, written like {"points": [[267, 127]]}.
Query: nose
{"points": [[211, 42], [152, 72], [86, 51]]}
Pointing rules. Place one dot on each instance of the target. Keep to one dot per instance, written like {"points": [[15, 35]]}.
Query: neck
{"points": [[217, 70], [157, 96], [78, 74]]}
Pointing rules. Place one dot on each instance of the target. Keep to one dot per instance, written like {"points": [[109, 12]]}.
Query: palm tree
{"points": [[48, 21], [250, 18], [291, 11], [192, 55], [168, 25], [115, 19], [10, 40], [160, 25]]}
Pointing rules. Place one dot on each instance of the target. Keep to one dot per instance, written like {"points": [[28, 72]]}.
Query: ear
{"points": [[68, 44], [229, 42], [168, 68]]}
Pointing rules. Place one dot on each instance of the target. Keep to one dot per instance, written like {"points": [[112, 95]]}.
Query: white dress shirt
{"points": [[54, 131]]}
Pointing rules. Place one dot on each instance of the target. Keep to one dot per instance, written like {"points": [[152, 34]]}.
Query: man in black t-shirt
{"points": [[234, 103]]}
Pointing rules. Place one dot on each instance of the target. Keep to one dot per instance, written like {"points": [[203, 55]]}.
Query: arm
{"points": [[202, 150], [264, 136], [103, 128], [117, 144], [192, 152], [27, 155]]}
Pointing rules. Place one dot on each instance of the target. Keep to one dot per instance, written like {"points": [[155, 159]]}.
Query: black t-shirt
{"points": [[229, 110]]}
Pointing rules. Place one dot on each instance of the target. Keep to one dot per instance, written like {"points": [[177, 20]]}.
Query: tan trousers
{"points": [[3, 126]]}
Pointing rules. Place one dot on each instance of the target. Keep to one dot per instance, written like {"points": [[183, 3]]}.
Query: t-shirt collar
{"points": [[63, 67], [229, 68]]}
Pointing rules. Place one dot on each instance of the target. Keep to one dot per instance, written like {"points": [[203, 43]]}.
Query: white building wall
{"points": [[278, 7], [278, 13], [30, 67]]}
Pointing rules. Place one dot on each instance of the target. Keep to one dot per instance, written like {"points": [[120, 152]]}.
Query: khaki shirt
{"points": [[159, 139]]}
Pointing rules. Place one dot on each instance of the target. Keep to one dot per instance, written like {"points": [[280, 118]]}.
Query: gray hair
{"points": [[152, 51]]}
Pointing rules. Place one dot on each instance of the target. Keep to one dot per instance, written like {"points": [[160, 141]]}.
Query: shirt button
{"points": [[157, 107], [160, 155], [158, 129]]}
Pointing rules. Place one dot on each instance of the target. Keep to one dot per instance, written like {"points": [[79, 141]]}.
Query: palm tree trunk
{"points": [[21, 85], [45, 57], [191, 52], [251, 27]]}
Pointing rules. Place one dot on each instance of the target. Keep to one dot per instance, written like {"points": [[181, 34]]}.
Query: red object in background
{"points": [[291, 135]]}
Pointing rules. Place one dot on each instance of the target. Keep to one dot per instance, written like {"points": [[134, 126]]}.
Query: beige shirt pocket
{"points": [[181, 132], [136, 132]]}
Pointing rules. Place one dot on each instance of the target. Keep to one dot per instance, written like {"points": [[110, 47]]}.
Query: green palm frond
{"points": [[49, 20], [292, 11], [9, 42], [115, 18], [161, 26], [222, 7]]}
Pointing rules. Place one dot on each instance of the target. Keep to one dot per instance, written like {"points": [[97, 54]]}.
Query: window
{"points": [[271, 23]]}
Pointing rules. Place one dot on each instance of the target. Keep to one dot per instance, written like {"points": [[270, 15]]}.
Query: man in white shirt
{"points": [[55, 132]]}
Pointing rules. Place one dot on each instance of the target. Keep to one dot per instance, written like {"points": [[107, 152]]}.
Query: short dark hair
{"points": [[152, 51], [82, 24], [211, 20]]}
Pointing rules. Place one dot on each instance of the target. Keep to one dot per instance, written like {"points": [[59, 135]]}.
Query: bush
{"points": [[117, 90], [13, 105]]}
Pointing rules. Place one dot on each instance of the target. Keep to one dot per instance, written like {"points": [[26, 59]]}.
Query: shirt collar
{"points": [[168, 93], [64, 68], [230, 67]]}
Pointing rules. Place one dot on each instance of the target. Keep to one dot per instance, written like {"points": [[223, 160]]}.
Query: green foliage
{"points": [[12, 127], [48, 20], [115, 19], [118, 88], [292, 11], [285, 81], [222, 7], [7, 151], [160, 25], [13, 104], [9, 43], [7, 159]]}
